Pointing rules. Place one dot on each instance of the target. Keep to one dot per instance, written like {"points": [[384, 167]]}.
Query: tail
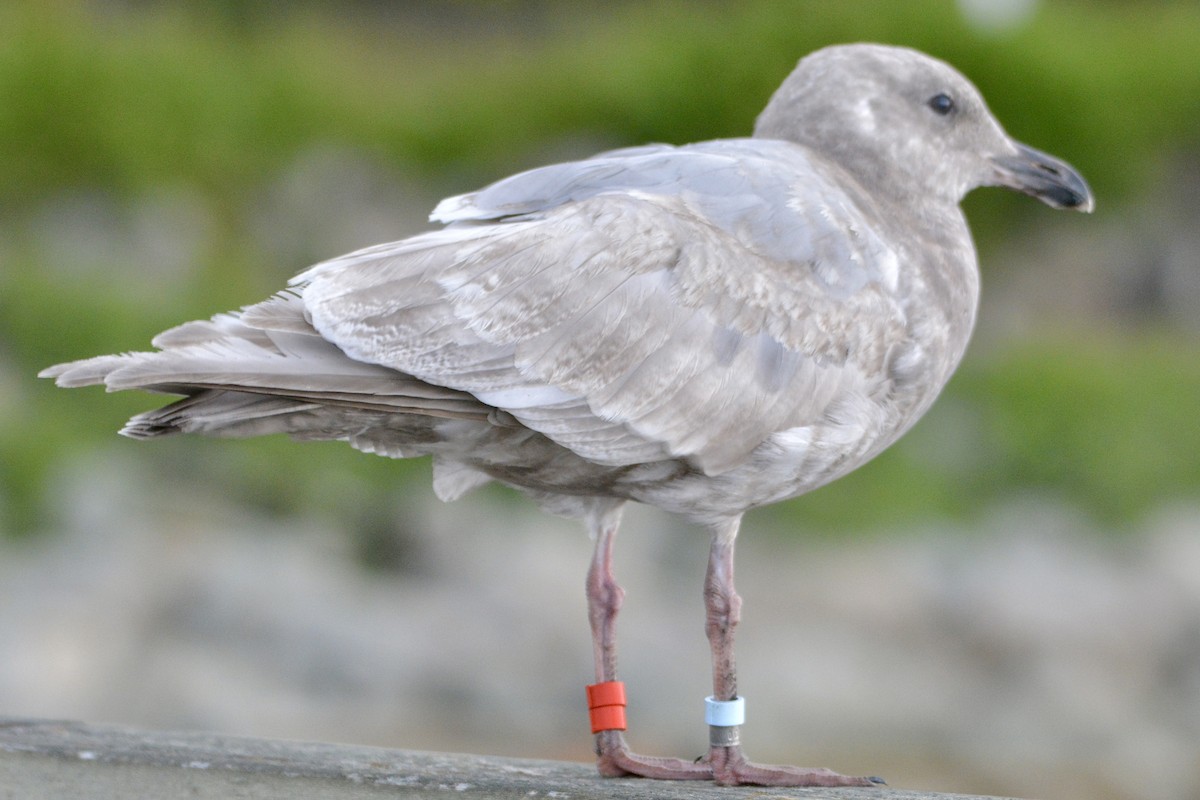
{"points": [[216, 412], [266, 370]]}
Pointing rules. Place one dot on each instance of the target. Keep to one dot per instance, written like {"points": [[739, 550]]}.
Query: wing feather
{"points": [[632, 323]]}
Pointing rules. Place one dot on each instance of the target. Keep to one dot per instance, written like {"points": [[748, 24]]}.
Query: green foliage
{"points": [[218, 99], [129, 100], [1109, 424]]}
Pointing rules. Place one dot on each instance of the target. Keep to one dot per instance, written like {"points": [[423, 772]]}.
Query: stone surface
{"points": [[55, 759]]}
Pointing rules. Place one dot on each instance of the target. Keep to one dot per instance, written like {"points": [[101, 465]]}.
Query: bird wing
{"points": [[648, 303]]}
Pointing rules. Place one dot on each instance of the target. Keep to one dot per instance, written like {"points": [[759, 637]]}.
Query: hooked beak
{"points": [[1043, 176]]}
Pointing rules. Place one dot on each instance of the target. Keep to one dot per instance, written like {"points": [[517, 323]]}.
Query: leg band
{"points": [[724, 718], [724, 713], [606, 706], [724, 735]]}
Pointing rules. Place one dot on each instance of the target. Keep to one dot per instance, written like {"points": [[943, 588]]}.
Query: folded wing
{"points": [[730, 291]]}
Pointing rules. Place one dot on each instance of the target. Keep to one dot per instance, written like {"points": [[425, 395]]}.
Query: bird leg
{"points": [[724, 763], [723, 610], [604, 597]]}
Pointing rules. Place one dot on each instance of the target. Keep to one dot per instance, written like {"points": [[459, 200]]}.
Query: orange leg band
{"points": [[606, 706]]}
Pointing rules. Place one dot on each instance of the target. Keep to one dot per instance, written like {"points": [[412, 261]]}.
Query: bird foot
{"points": [[727, 766], [614, 760], [730, 768]]}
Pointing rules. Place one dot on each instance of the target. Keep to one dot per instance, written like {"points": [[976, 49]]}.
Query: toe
{"points": [[730, 768], [614, 760]]}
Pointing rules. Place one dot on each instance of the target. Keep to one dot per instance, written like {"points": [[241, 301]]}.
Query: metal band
{"points": [[724, 735]]}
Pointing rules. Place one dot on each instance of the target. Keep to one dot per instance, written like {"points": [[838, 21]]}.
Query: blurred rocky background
{"points": [[1007, 602]]}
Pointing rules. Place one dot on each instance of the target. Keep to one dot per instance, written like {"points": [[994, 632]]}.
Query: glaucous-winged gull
{"points": [[705, 328]]}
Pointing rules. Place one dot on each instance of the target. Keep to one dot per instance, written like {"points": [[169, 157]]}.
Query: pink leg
{"points": [[723, 610], [604, 601]]}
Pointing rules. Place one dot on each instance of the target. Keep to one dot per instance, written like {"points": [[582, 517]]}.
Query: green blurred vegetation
{"points": [[218, 99]]}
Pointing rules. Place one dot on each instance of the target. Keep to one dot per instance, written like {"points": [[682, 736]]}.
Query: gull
{"points": [[706, 328]]}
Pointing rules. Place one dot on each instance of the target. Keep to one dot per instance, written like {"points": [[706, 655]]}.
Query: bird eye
{"points": [[942, 103]]}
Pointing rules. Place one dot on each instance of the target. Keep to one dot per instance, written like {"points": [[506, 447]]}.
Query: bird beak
{"points": [[1043, 176]]}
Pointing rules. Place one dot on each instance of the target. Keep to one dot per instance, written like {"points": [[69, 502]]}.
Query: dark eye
{"points": [[942, 103]]}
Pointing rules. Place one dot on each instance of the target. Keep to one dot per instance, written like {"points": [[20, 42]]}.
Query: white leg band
{"points": [[724, 713]]}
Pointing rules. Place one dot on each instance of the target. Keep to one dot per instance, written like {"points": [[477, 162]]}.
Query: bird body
{"points": [[705, 328], [688, 327]]}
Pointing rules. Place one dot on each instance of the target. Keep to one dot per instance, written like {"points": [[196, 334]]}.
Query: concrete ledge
{"points": [[41, 759]]}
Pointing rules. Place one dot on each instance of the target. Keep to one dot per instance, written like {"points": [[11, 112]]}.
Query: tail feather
{"points": [[218, 413], [262, 370]]}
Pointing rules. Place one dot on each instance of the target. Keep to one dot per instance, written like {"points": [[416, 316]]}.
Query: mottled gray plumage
{"points": [[705, 328]]}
